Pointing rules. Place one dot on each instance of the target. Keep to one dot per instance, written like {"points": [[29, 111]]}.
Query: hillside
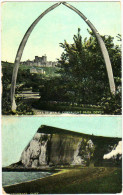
{"points": [[25, 82]]}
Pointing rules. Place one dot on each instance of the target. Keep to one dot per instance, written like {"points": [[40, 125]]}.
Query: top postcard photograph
{"points": [[61, 58]]}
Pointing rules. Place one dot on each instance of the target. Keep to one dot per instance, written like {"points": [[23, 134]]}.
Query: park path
{"points": [[29, 95]]}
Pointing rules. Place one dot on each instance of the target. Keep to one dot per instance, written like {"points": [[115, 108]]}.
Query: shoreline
{"points": [[29, 170], [29, 180], [73, 181]]}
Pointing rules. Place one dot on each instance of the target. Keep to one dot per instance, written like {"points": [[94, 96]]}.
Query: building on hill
{"points": [[40, 62], [42, 59], [34, 70]]}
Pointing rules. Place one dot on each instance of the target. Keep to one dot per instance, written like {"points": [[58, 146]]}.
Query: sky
{"points": [[58, 25], [17, 131]]}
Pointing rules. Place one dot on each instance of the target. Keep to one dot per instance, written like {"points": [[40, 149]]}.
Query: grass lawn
{"points": [[63, 107], [74, 181]]}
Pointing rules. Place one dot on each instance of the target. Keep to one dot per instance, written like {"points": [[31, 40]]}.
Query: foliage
{"points": [[112, 104], [102, 147], [83, 69], [67, 107], [80, 78], [55, 90], [22, 82], [25, 81], [6, 84]]}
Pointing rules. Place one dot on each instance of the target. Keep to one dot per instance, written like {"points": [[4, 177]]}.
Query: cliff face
{"points": [[35, 154], [56, 149], [50, 147]]}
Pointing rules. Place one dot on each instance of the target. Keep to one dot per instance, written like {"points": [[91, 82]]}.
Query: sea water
{"points": [[10, 178]]}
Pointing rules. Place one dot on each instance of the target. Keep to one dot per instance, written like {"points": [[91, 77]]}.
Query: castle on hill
{"points": [[40, 62]]}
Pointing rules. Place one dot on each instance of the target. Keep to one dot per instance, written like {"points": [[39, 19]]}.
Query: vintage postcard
{"points": [[60, 58], [61, 97]]}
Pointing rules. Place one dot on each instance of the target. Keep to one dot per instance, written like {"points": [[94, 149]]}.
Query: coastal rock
{"points": [[35, 163], [56, 147]]}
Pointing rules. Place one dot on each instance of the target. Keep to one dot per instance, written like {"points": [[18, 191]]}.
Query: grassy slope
{"points": [[48, 70], [86, 180]]}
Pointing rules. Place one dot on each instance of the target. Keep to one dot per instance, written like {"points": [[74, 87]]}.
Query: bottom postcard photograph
{"points": [[61, 154]]}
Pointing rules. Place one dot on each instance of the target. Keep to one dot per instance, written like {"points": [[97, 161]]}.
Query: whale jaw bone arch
{"points": [[27, 34]]}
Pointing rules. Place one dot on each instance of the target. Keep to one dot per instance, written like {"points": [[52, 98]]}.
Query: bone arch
{"points": [[27, 34]]}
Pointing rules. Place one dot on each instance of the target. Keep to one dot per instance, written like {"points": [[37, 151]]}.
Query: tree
{"points": [[82, 68]]}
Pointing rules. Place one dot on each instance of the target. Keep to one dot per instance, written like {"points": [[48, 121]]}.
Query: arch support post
{"points": [[102, 47], [20, 52]]}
